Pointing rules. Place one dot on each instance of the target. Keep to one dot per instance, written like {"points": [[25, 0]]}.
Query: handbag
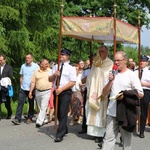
{"points": [[10, 91]]}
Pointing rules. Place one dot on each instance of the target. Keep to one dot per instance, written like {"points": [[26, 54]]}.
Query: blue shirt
{"points": [[85, 73], [27, 71]]}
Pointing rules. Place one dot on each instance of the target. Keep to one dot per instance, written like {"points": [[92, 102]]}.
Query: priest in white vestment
{"points": [[96, 105]]}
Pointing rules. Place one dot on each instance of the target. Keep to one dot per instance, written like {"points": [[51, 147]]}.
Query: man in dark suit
{"points": [[5, 71]]}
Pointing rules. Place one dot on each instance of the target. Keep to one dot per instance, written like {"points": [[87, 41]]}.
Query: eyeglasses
{"points": [[118, 60]]}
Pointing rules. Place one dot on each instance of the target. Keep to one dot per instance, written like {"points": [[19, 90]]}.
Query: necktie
{"points": [[141, 73]]}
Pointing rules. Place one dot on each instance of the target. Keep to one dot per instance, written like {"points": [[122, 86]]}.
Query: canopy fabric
{"points": [[99, 29]]}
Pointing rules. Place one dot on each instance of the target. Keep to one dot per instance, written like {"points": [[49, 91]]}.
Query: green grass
{"points": [[14, 107]]}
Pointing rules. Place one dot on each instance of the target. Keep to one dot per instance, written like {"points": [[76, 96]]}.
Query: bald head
{"points": [[120, 59]]}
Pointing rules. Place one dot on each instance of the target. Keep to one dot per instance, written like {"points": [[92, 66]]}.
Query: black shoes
{"points": [[66, 132], [25, 116], [100, 145], [98, 139], [8, 117], [141, 135], [82, 131], [58, 139], [121, 142], [38, 125]]}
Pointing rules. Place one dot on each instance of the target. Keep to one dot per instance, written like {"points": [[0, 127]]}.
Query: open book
{"points": [[116, 97]]}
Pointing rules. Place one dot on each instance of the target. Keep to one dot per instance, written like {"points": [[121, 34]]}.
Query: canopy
{"points": [[100, 29]]}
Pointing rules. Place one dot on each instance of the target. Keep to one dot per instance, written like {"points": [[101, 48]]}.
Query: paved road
{"points": [[27, 137]]}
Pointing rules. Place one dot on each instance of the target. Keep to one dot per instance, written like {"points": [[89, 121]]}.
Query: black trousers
{"points": [[144, 103], [64, 100], [84, 126], [7, 104], [22, 98]]}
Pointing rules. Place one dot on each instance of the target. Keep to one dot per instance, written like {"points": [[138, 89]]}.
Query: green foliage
{"points": [[13, 106], [33, 26], [145, 50], [132, 52], [8, 13]]}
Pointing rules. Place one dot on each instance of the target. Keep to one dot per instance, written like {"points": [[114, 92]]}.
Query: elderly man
{"points": [[67, 77], [96, 107], [124, 81], [39, 81]]}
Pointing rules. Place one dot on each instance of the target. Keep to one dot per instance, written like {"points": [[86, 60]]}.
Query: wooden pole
{"points": [[139, 59], [59, 49], [139, 43], [115, 26]]}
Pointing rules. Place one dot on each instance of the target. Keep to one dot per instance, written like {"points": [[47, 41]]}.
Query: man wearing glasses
{"points": [[124, 81]]}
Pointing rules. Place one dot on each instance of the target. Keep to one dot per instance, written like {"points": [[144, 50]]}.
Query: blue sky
{"points": [[145, 37]]}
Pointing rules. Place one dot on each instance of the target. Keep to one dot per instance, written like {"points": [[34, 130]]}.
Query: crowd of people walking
{"points": [[105, 101]]}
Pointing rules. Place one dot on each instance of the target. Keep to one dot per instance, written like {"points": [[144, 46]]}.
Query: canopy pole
{"points": [[139, 42], [139, 59], [59, 49], [115, 12]]}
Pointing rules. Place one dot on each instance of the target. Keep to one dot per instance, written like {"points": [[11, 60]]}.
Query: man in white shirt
{"points": [[145, 81], [67, 81], [124, 80]]}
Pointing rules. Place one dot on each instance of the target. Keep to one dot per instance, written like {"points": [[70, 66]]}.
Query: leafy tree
{"points": [[28, 26], [126, 10], [33, 26]]}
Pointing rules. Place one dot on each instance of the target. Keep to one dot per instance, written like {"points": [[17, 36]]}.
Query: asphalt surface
{"points": [[28, 137]]}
